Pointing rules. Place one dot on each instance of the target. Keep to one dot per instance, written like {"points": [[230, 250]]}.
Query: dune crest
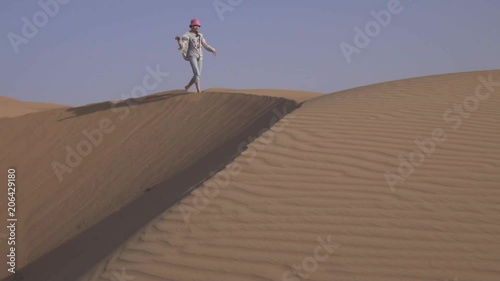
{"points": [[10, 107], [298, 96]]}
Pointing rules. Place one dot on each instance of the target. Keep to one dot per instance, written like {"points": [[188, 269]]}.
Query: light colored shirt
{"points": [[190, 45]]}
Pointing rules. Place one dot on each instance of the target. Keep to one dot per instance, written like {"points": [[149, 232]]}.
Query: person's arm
{"points": [[206, 46]]}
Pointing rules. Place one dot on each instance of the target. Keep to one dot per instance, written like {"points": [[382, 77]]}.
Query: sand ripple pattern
{"points": [[323, 174]]}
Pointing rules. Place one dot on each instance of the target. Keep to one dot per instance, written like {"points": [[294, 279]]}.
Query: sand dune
{"points": [[309, 199], [298, 96], [107, 155], [10, 107]]}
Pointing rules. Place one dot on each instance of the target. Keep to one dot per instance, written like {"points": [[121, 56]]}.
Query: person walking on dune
{"points": [[190, 45]]}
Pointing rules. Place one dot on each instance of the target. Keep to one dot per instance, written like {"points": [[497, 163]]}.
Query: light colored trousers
{"points": [[196, 64]]}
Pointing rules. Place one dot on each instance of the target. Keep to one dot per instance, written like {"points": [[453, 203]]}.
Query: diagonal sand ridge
{"points": [[298, 96]]}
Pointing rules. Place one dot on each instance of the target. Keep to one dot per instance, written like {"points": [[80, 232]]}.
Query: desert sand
{"points": [[10, 107], [391, 181], [75, 169]]}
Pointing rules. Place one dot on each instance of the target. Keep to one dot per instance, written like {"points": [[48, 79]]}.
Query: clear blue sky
{"points": [[94, 50]]}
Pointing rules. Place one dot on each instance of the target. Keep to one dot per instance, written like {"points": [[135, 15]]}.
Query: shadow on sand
{"points": [[91, 108]]}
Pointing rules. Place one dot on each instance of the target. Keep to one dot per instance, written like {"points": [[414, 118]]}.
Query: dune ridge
{"points": [[322, 178], [10, 107], [298, 96]]}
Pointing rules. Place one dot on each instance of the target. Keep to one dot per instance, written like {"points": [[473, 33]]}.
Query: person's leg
{"points": [[194, 66], [191, 82], [198, 86]]}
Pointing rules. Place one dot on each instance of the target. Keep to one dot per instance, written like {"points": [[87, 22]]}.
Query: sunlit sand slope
{"points": [[388, 182]]}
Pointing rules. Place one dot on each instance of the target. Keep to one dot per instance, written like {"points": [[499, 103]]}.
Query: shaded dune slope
{"points": [[164, 144], [319, 174]]}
